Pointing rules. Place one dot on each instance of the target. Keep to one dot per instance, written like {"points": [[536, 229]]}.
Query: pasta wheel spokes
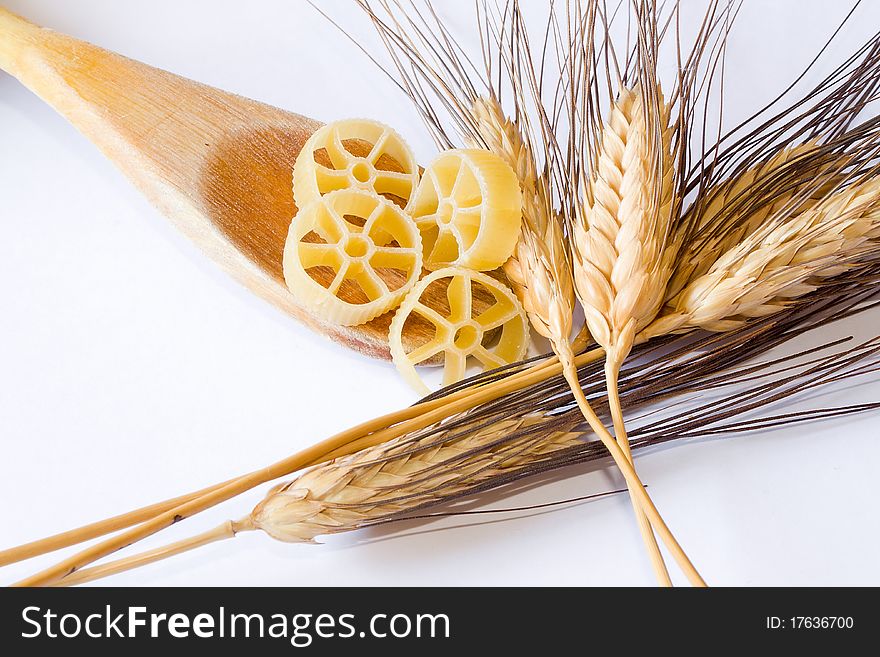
{"points": [[457, 332], [468, 207], [354, 274], [355, 154]]}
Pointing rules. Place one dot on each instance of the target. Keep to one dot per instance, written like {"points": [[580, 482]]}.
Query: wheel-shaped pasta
{"points": [[355, 154], [468, 207], [351, 256], [497, 336]]}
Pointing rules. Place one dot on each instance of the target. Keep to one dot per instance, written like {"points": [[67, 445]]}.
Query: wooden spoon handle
{"points": [[17, 34]]}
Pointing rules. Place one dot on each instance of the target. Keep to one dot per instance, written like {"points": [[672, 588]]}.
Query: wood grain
{"points": [[217, 164]]}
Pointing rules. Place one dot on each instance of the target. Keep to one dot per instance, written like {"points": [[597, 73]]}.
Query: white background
{"points": [[132, 370]]}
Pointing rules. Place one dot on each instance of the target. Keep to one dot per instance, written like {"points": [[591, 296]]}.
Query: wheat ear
{"points": [[724, 216], [222, 532], [539, 270], [620, 262], [779, 262]]}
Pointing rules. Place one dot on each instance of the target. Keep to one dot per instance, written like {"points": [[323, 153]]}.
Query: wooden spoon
{"points": [[218, 165]]}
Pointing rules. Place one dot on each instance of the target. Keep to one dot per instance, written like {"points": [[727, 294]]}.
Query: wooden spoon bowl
{"points": [[217, 164]]}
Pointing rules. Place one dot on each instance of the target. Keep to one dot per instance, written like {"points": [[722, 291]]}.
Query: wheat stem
{"points": [[612, 370], [98, 529], [636, 488], [650, 541], [225, 531]]}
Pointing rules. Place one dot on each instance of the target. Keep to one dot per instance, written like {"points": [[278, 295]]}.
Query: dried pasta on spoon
{"points": [[495, 337], [371, 246], [355, 154]]}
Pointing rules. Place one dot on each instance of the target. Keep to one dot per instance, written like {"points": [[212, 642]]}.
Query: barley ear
{"points": [[375, 484]]}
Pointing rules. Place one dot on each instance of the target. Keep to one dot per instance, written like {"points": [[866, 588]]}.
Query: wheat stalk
{"points": [[626, 176], [621, 265], [540, 267], [540, 272]]}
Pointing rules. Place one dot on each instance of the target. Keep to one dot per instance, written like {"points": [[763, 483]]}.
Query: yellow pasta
{"points": [[351, 256], [495, 337], [355, 154], [468, 207]]}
